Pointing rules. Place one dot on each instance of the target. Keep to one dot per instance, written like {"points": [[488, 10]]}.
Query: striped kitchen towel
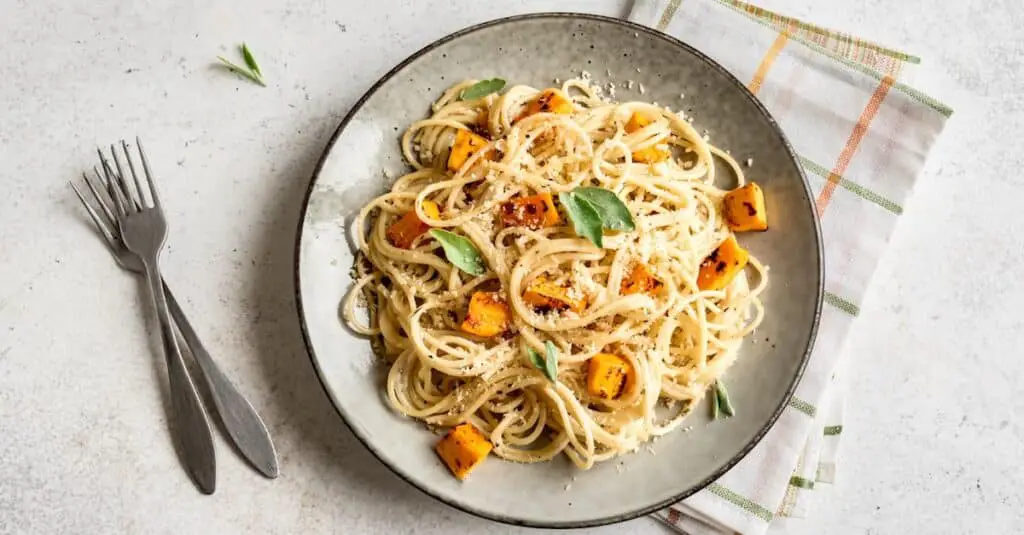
{"points": [[862, 134]]}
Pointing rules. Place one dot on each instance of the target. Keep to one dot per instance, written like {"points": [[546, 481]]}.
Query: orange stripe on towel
{"points": [[859, 131]]}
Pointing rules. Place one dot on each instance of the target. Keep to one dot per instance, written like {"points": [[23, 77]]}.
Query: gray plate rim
{"points": [[819, 297]]}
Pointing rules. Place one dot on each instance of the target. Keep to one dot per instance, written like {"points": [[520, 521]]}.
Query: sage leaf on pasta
{"points": [[584, 216], [548, 363], [460, 251], [482, 88], [722, 401], [613, 212]]}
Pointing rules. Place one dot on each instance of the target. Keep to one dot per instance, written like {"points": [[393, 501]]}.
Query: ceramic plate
{"points": [[535, 50]]}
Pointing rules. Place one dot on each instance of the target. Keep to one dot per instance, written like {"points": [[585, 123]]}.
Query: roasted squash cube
{"points": [[431, 209], [651, 154], [546, 295], [640, 280], [722, 265], [548, 101], [487, 315], [637, 121], [535, 211], [403, 232], [607, 375], [465, 145], [463, 449], [744, 208]]}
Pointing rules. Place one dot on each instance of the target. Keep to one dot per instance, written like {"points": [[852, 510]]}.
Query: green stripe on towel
{"points": [[804, 483], [849, 64], [666, 16], [841, 304], [803, 406], [833, 430], [916, 95], [853, 187], [850, 41], [739, 501]]}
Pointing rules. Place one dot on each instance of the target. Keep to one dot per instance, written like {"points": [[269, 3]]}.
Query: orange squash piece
{"points": [[548, 101], [607, 375], [651, 154], [640, 280], [546, 295], [487, 316], [403, 232], [466, 144], [722, 265], [744, 209], [463, 449], [535, 211]]}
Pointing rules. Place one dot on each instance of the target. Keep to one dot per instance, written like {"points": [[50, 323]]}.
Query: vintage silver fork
{"points": [[143, 231], [244, 426]]}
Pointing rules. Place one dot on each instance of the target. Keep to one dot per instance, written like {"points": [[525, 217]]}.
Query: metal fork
{"points": [[143, 231], [244, 426]]}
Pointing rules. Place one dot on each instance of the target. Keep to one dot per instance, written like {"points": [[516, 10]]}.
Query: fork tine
{"points": [[106, 186], [135, 177], [149, 175], [103, 228], [99, 198], [113, 189], [119, 177]]}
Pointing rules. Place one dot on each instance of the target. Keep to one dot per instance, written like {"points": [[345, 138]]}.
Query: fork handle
{"points": [[190, 423], [244, 425]]}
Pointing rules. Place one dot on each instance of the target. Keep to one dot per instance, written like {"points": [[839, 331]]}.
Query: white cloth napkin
{"points": [[862, 135]]}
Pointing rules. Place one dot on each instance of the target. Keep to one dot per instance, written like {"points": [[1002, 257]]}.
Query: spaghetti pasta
{"points": [[637, 300]]}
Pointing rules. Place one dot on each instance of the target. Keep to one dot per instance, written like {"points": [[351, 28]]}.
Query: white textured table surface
{"points": [[932, 442]]}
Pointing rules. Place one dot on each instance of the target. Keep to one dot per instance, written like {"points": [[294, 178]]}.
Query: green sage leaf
{"points": [[460, 251], [614, 213], [251, 61], [482, 88], [722, 400], [585, 219], [548, 364], [242, 71]]}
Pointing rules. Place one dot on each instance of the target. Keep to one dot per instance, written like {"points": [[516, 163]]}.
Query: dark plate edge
{"points": [[645, 510]]}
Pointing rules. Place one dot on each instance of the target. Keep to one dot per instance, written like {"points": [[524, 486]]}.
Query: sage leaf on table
{"points": [[250, 61], [614, 213], [460, 251], [482, 88], [250, 71], [720, 401], [546, 363], [584, 216]]}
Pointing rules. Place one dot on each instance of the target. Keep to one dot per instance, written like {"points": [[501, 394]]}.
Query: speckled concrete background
{"points": [[932, 441]]}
